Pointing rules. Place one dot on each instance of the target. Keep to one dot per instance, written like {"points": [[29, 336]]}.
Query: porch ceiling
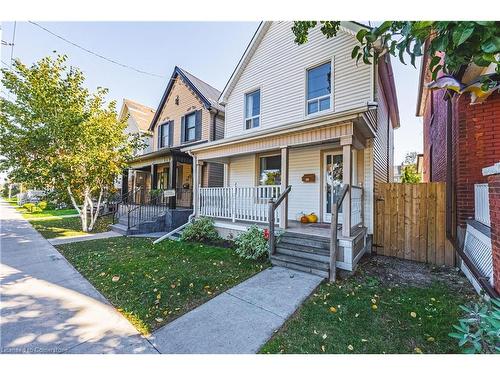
{"points": [[300, 137]]}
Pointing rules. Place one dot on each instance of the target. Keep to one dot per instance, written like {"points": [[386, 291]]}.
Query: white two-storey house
{"points": [[309, 118]]}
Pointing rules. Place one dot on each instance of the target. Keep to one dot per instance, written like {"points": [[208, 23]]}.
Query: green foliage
{"points": [[30, 207], [409, 174], [479, 330], [58, 136], [252, 244], [462, 42], [200, 230]]}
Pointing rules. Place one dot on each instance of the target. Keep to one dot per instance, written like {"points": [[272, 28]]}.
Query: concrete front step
{"points": [[304, 252], [122, 229], [317, 242], [276, 261]]}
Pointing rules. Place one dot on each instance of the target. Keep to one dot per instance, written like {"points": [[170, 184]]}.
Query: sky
{"points": [[209, 50]]}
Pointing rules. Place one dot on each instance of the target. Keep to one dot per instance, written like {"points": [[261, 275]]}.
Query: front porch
{"points": [[308, 169]]}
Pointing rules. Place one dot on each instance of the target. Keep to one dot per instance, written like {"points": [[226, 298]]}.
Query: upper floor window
{"points": [[164, 135], [252, 109], [191, 127], [319, 88]]}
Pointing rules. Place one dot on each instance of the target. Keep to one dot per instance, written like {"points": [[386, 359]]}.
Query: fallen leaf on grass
{"points": [[115, 279], [333, 309], [413, 314], [350, 347], [374, 307], [418, 350]]}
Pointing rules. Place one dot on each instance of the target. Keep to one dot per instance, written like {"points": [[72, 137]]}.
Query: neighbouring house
{"points": [[461, 141], [160, 182], [138, 118], [310, 118], [398, 171]]}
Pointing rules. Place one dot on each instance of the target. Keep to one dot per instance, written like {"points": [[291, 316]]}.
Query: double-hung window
{"points": [[319, 88], [252, 109], [190, 127], [164, 135]]}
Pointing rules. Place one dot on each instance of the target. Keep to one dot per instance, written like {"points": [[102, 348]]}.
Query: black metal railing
{"points": [[140, 205]]}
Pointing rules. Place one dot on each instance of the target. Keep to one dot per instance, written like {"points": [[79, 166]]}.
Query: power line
{"points": [[95, 53], [13, 41]]}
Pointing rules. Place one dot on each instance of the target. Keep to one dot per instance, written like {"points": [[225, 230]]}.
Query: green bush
{"points": [[201, 230], [252, 244], [479, 330], [42, 205], [30, 207]]}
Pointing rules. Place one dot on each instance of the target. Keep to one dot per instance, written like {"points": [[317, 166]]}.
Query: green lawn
{"points": [[153, 284], [365, 314], [67, 226], [40, 215]]}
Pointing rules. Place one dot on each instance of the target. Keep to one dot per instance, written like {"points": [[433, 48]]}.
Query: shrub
{"points": [[42, 205], [252, 244], [201, 230], [30, 207], [479, 330]]}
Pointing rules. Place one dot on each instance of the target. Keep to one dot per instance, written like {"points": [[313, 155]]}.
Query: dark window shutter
{"points": [[198, 125], [171, 133], [160, 131], [183, 129]]}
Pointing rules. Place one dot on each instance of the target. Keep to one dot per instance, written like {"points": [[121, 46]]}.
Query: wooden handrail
{"points": [[272, 207], [333, 232]]}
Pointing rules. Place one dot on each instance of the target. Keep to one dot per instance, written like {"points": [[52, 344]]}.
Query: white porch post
{"points": [[346, 143], [226, 175], [284, 184], [196, 185]]}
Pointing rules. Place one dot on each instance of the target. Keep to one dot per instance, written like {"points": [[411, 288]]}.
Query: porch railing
{"points": [[249, 203], [481, 204], [356, 206]]}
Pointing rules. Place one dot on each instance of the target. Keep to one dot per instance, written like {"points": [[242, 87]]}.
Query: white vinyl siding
{"points": [[304, 196], [279, 66], [242, 171]]}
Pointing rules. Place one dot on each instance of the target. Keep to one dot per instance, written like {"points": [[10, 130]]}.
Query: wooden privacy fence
{"points": [[410, 222]]}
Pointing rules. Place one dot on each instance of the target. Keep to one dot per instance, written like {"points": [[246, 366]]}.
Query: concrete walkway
{"points": [[241, 319], [47, 306], [83, 237]]}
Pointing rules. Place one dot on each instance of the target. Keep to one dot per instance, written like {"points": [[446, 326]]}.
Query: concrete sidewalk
{"points": [[241, 319], [47, 306], [83, 237]]}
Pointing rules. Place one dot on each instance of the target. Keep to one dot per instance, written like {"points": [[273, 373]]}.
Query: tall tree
{"points": [[460, 42], [56, 135]]}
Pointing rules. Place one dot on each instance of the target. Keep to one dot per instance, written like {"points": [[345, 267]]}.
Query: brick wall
{"points": [[494, 200], [478, 146], [435, 138]]}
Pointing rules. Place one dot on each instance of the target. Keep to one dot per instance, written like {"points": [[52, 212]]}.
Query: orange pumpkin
{"points": [[312, 218], [304, 219]]}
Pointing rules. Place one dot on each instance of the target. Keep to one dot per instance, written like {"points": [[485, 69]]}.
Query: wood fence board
{"points": [[410, 222]]}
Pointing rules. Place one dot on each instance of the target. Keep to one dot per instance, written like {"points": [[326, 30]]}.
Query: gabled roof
{"points": [[140, 113], [349, 27], [208, 95]]}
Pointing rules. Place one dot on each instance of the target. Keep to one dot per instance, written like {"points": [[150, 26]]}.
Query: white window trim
{"points": [[245, 118], [307, 101]]}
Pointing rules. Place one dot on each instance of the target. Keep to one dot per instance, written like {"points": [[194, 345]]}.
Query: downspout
{"points": [[214, 125], [449, 167]]}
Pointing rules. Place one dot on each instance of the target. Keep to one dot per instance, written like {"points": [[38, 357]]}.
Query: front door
{"points": [[332, 183]]}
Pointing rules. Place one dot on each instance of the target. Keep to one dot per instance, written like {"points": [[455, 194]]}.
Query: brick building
{"points": [[460, 140]]}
